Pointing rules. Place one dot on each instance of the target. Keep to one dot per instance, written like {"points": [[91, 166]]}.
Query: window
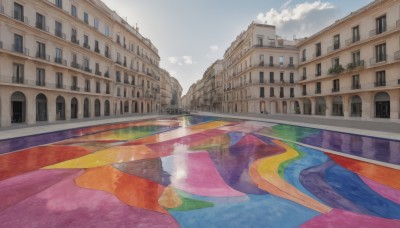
{"points": [[271, 77], [291, 64], [281, 76], [118, 76], [355, 56], [86, 41], [318, 69], [41, 22], [336, 42], [96, 23], [59, 3], [261, 60], [303, 55], [86, 17], [74, 60], [304, 90], [318, 50], [281, 92], [18, 43], [74, 12], [291, 78], [381, 24], [40, 77], [335, 62], [86, 65], [41, 50], [87, 85], [261, 77], [281, 60], [59, 80], [74, 36], [271, 92], [96, 46], [58, 58], [271, 61], [74, 85], [291, 92], [380, 78], [380, 53], [356, 33], [58, 29], [97, 87], [18, 12], [318, 88], [260, 41], [18, 73], [106, 30], [336, 87], [118, 39], [304, 73], [262, 92], [107, 88], [355, 82]]}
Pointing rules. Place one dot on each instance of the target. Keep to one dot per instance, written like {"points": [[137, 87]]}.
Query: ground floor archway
{"points": [[382, 105], [337, 106], [86, 109], [74, 108], [355, 106], [97, 107], [41, 107], [307, 107], [320, 106], [18, 107], [106, 108], [60, 108]]}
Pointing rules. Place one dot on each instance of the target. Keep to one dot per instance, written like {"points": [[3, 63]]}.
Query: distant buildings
{"points": [[349, 69], [69, 59]]}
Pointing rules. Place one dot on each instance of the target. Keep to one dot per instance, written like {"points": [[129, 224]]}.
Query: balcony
{"points": [[42, 26], [397, 55], [336, 69], [41, 55], [107, 74], [107, 54], [40, 83], [118, 62], [271, 64], [261, 63], [377, 31], [75, 65], [20, 49], [304, 77], [318, 91], [356, 86], [291, 65], [97, 50], [18, 80], [107, 91], [303, 59], [60, 61], [352, 66], [18, 16], [281, 95], [335, 89], [87, 89], [60, 86], [304, 93], [75, 88], [98, 73], [352, 40], [59, 34], [87, 69], [74, 40], [317, 74], [380, 83], [86, 45], [378, 59]]}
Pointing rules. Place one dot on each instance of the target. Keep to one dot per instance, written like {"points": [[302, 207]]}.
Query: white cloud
{"points": [[187, 60], [172, 60], [214, 48], [301, 20]]}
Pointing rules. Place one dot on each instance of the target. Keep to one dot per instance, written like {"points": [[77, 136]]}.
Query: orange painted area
{"points": [[180, 132], [113, 155], [37, 157], [264, 172], [380, 174], [132, 190]]}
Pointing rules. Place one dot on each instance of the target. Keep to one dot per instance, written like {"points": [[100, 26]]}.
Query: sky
{"points": [[190, 35]]}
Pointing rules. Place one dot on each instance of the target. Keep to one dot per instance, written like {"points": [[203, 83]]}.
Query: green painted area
{"points": [[191, 204], [137, 132], [282, 167], [293, 133]]}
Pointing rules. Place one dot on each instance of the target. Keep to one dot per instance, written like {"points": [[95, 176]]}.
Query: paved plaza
{"points": [[202, 170]]}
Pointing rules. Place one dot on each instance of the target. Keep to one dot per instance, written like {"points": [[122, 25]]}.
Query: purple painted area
{"points": [[340, 218], [313, 179], [368, 147], [17, 189], [65, 205], [233, 163]]}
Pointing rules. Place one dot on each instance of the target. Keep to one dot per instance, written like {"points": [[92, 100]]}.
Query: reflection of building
{"points": [[351, 68], [348, 69], [72, 60]]}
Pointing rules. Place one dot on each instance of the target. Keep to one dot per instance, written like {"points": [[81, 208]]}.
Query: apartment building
{"points": [[260, 72], [351, 68], [70, 59], [171, 91], [211, 88]]}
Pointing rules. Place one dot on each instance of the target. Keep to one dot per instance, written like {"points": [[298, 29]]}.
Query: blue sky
{"points": [[191, 34]]}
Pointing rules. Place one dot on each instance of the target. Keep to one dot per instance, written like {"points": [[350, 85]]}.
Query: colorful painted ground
{"points": [[198, 171]]}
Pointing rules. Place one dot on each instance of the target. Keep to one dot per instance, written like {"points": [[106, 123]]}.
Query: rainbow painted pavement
{"points": [[198, 171]]}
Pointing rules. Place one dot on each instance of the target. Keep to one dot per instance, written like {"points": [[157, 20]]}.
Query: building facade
{"points": [[70, 59], [349, 69], [171, 92]]}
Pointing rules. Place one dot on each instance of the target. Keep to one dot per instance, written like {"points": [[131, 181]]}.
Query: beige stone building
{"points": [[209, 91], [260, 72], [351, 68], [70, 59], [171, 92]]}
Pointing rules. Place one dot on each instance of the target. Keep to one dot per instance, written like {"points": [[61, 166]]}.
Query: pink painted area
{"points": [[340, 218], [385, 191], [195, 173], [19, 188], [66, 205]]}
